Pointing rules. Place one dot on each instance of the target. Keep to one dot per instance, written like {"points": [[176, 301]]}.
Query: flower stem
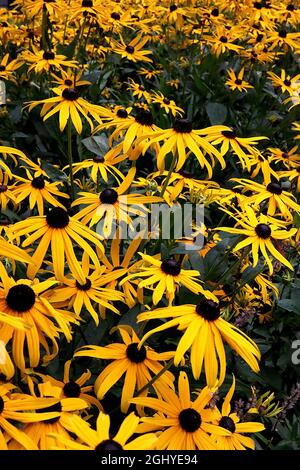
{"points": [[157, 376], [70, 158], [165, 185]]}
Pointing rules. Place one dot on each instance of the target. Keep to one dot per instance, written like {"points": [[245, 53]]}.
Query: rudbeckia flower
{"points": [[132, 51], [283, 39], [101, 439], [99, 168], [169, 106], [69, 105], [228, 138], [7, 68], [285, 82], [78, 296], [184, 424], [277, 199], [39, 190], [168, 275], [261, 164], [57, 230], [51, 416], [22, 301], [138, 364], [69, 79], [226, 419], [260, 232], [6, 192], [34, 8], [236, 82], [112, 205], [43, 61], [288, 157], [179, 138], [293, 175], [204, 332]]}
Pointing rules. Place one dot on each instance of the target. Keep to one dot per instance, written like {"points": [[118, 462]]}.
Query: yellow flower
{"points": [[132, 51], [236, 82]]}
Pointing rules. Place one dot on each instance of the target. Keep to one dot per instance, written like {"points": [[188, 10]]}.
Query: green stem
{"points": [[70, 158], [165, 185], [157, 376]]}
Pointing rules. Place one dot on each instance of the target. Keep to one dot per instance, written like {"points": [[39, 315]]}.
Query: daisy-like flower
{"points": [[100, 168], [139, 90], [226, 419], [101, 439], [139, 364], [69, 105], [260, 232], [57, 230], [204, 332], [288, 157], [285, 82], [229, 140], [75, 295], [33, 8], [70, 388], [43, 61], [237, 82], [168, 275], [261, 164], [69, 79], [273, 193], [19, 408], [149, 74], [293, 175], [22, 300], [132, 51], [39, 191], [6, 192], [179, 138], [169, 106], [7, 68], [112, 205], [51, 416], [283, 40], [184, 423], [221, 41]]}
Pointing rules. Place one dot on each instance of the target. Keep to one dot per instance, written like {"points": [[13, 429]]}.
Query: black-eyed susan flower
{"points": [[43, 61], [23, 300], [262, 164], [101, 439], [138, 364], [8, 67], [236, 81], [77, 296], [167, 275], [260, 232], [169, 106], [112, 205], [277, 199], [293, 175], [288, 157], [226, 419], [285, 82], [69, 105], [222, 41], [283, 39], [7, 196], [132, 51], [69, 79], [39, 191], [100, 168], [180, 137], [57, 229], [204, 332], [51, 416], [138, 90], [184, 423]]}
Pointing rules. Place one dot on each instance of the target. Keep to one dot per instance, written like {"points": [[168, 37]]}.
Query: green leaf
{"points": [[291, 305], [216, 112], [97, 144]]}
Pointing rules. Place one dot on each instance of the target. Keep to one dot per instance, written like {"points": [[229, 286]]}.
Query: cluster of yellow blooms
{"points": [[56, 270]]}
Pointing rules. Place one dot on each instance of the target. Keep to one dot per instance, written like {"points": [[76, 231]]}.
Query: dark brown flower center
{"points": [[68, 82], [144, 118], [290, 7], [238, 81], [135, 354], [215, 12], [208, 309], [130, 49], [108, 196], [3, 188], [259, 37], [282, 33], [287, 82], [115, 15], [98, 159], [171, 266], [173, 8], [57, 218], [122, 113], [2, 68], [108, 444], [70, 94], [184, 126], [87, 3], [38, 182], [223, 39], [263, 231], [228, 134], [85, 286], [20, 298], [190, 420], [48, 55], [166, 101], [1, 405], [227, 423], [274, 188], [72, 390]]}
